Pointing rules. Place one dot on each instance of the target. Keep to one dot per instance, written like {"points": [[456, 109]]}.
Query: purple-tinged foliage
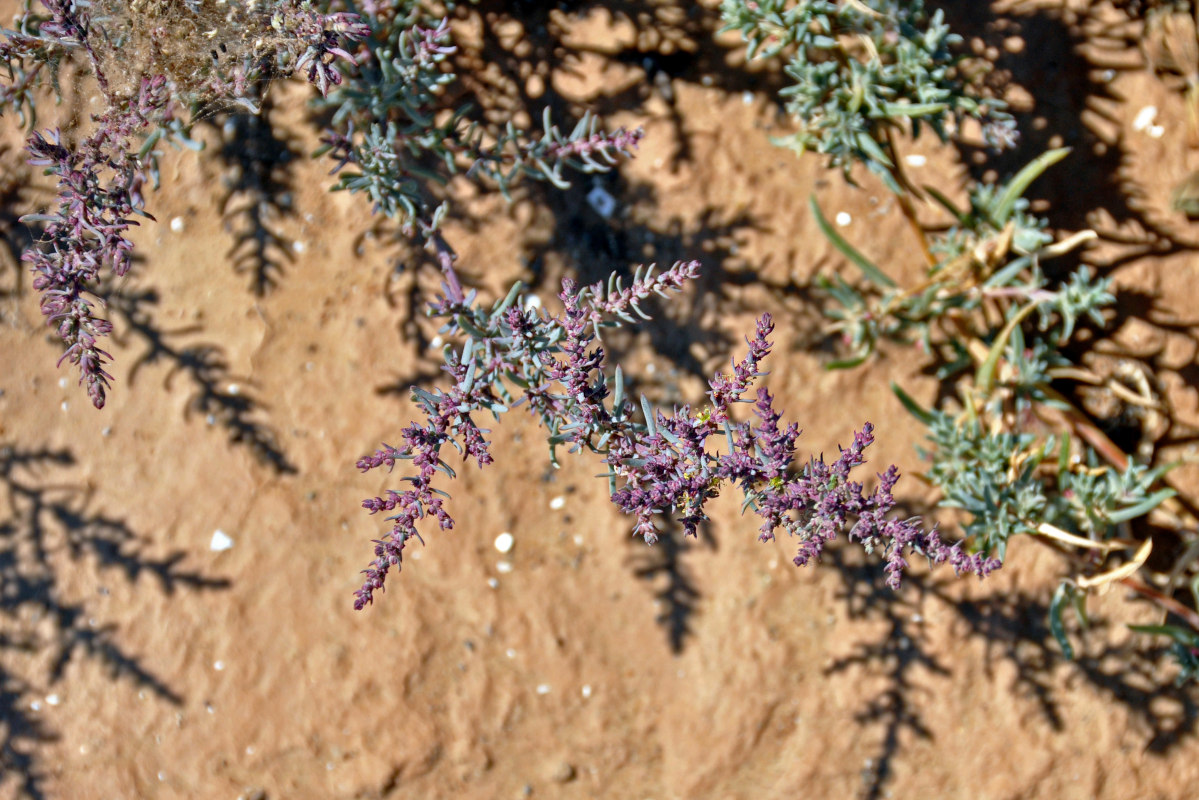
{"points": [[99, 191], [100, 179], [663, 464], [320, 33]]}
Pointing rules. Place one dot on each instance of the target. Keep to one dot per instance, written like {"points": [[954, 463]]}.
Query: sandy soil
{"points": [[137, 662]]}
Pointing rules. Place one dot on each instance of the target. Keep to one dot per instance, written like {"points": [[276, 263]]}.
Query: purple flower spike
{"points": [[660, 465]]}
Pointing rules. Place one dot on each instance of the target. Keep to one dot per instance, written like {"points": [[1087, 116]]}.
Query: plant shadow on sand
{"points": [[258, 193], [48, 527], [222, 399], [1014, 625]]}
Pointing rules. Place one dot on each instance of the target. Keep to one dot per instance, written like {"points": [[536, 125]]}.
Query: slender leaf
{"points": [[872, 273]]}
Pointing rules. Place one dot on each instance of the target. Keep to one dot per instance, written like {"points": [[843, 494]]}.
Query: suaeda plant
{"points": [[381, 70], [516, 354], [1015, 454], [378, 67]]}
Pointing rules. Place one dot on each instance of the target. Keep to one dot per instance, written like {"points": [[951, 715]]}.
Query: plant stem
{"points": [[905, 199]]}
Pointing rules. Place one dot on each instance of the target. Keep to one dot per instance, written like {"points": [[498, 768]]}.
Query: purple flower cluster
{"points": [[99, 190], [663, 464], [431, 45], [597, 145], [100, 179], [320, 34]]}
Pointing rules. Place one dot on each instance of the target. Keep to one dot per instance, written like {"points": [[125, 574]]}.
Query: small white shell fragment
{"points": [[1144, 118], [532, 302], [603, 203], [558, 502], [1156, 131], [218, 665], [747, 98], [220, 541], [52, 699], [915, 160], [493, 583], [436, 342], [177, 224], [299, 247], [65, 405], [586, 690], [504, 542], [234, 389], [503, 567], [543, 688], [62, 383], [510, 653], [843, 218]]}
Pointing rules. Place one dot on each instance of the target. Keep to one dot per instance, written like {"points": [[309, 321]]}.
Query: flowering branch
{"points": [[99, 190], [100, 180], [517, 354]]}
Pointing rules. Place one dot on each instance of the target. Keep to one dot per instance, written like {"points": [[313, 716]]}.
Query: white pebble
{"points": [[503, 567], [234, 389], [1156, 131], [52, 699], [843, 218], [510, 653], [220, 541], [504, 542], [218, 665], [603, 202], [532, 302], [558, 502], [916, 160], [1144, 118], [543, 688], [586, 690], [177, 224], [62, 383], [36, 705], [65, 405], [579, 539], [493, 583], [747, 98], [299, 247], [436, 342]]}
